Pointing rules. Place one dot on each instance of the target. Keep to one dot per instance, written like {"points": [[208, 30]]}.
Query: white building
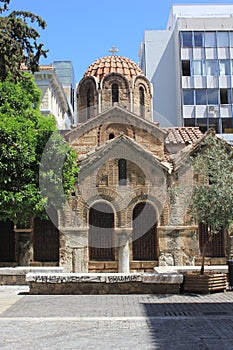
{"points": [[190, 65], [53, 99]]}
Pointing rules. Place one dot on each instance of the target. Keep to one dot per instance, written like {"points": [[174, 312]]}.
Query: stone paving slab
{"points": [[126, 322]]}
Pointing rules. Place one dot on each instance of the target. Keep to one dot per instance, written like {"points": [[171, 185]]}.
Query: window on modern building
{"points": [[142, 101], [210, 39], [186, 39], [202, 124], [196, 67], [186, 68], [201, 97], [198, 39], [222, 39], [227, 125], [212, 96], [122, 172], [211, 67], [224, 67], [115, 93], [111, 136], [188, 97], [231, 38], [224, 97], [189, 121]]}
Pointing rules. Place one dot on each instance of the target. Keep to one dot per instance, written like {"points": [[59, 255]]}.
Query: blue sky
{"points": [[82, 31]]}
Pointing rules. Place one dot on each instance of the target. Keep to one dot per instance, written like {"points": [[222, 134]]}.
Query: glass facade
{"points": [[207, 87], [65, 73]]}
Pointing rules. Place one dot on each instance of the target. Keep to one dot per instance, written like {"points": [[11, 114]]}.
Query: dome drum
{"points": [[110, 81]]}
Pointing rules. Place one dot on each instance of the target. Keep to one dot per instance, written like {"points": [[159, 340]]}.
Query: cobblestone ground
{"points": [[125, 322]]}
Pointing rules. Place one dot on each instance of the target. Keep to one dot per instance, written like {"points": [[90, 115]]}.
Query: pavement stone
{"points": [[124, 322]]}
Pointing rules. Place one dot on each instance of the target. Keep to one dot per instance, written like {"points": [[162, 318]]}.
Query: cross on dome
{"points": [[113, 50]]}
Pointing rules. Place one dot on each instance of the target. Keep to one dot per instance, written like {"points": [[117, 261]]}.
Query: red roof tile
{"points": [[185, 135], [113, 64]]}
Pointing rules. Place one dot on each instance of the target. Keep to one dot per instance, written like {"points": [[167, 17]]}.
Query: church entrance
{"points": [[7, 241], [101, 241], [144, 232], [46, 241]]}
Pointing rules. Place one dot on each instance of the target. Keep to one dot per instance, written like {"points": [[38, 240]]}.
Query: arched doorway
{"points": [[144, 232], [7, 241], [46, 240], [101, 224]]}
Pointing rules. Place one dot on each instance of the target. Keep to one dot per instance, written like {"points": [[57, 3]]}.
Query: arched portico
{"points": [[101, 232], [144, 237]]}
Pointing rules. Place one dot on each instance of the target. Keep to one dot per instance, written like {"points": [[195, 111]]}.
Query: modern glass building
{"points": [[190, 64], [65, 73]]}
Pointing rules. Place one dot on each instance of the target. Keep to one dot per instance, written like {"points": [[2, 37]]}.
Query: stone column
{"points": [[74, 249], [123, 252], [24, 244]]}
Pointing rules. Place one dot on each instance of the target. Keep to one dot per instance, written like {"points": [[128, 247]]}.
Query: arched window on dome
{"points": [[88, 102], [142, 101], [115, 93]]}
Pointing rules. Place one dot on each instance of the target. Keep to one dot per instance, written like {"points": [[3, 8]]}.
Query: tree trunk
{"points": [[204, 253]]}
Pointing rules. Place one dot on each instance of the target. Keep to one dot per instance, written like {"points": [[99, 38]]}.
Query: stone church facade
{"points": [[123, 215]]}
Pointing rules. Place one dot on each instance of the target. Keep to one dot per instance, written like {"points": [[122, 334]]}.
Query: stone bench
{"points": [[17, 275], [184, 269], [104, 283]]}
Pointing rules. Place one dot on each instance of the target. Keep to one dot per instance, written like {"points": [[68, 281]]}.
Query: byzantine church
{"points": [[129, 210], [122, 216]]}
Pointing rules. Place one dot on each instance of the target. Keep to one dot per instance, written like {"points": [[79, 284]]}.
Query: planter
{"points": [[206, 283]]}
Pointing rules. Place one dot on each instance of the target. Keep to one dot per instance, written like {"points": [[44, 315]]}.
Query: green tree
{"points": [[24, 133], [19, 42], [212, 197]]}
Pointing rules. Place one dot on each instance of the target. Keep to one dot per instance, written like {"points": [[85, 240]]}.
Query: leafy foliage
{"points": [[24, 133], [212, 198], [18, 42]]}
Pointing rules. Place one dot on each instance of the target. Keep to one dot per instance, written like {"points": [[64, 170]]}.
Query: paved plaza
{"points": [[124, 322]]}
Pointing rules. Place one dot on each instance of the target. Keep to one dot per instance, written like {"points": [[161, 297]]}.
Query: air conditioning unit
{"points": [[212, 109]]}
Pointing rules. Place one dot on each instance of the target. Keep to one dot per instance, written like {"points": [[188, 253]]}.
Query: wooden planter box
{"points": [[206, 283]]}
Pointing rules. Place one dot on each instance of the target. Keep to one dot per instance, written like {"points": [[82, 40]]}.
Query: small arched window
{"points": [[115, 93], [122, 172], [88, 103], [142, 101], [111, 136]]}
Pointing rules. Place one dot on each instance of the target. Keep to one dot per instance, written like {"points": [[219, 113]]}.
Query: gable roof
{"points": [[122, 146], [117, 115], [181, 157]]}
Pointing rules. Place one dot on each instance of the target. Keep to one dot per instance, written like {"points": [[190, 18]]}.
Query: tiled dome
{"points": [[113, 64]]}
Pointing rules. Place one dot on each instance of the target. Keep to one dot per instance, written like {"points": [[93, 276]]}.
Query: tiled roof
{"points": [[113, 64], [184, 135]]}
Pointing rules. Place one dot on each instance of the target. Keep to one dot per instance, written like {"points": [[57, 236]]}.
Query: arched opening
{"points": [[115, 93], [46, 240], [144, 232], [101, 240], [88, 103], [142, 101], [122, 172], [111, 136], [7, 241]]}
